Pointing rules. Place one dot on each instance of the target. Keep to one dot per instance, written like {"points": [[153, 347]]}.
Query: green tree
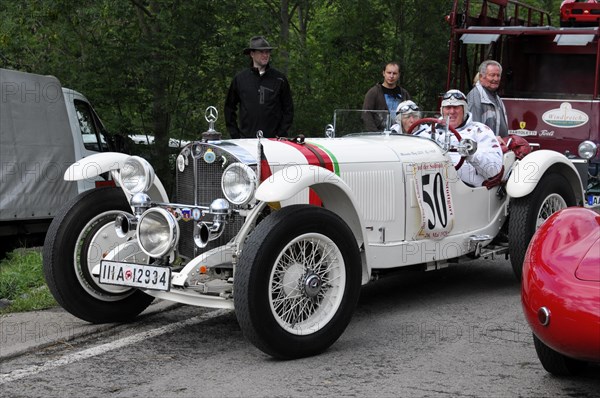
{"points": [[147, 65], [153, 66]]}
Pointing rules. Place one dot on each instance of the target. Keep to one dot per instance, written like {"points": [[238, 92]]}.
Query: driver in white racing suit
{"points": [[486, 163]]}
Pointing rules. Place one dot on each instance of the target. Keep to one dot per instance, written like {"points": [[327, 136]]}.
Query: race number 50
{"points": [[435, 202], [434, 199]]}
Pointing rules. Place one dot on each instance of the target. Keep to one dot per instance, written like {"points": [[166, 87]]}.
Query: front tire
{"points": [[78, 237], [297, 282], [555, 362], [553, 192]]}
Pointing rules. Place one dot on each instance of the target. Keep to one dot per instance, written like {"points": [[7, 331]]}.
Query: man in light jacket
{"points": [[485, 104]]}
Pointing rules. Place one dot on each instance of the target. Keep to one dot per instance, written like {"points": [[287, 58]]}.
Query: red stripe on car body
{"points": [[315, 156]]}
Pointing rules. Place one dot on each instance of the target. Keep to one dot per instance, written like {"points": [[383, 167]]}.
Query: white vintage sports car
{"points": [[286, 231]]}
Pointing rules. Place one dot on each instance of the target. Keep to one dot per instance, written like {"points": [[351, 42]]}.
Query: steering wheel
{"points": [[438, 122]]}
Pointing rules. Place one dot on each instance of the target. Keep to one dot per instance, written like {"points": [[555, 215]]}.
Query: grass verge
{"points": [[22, 282]]}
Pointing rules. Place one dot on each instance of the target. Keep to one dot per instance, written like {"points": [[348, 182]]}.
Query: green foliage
{"points": [[153, 66], [22, 282]]}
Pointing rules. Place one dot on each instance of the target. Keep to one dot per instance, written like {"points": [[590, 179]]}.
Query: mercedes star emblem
{"points": [[211, 114]]}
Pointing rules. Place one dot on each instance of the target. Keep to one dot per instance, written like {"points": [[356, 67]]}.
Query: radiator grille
{"points": [[201, 189]]}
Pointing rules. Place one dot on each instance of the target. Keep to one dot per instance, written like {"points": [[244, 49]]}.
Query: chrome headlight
{"points": [[587, 149], [137, 175], [238, 183], [158, 232]]}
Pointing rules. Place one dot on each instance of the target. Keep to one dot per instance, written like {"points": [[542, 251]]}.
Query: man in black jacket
{"points": [[263, 95]]}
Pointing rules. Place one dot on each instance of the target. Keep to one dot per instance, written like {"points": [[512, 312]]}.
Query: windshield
{"points": [[352, 121]]}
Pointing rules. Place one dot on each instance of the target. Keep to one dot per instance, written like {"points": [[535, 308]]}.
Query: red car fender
{"points": [[567, 240]]}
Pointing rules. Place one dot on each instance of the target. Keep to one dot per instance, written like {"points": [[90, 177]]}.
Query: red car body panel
{"points": [[580, 12], [561, 272]]}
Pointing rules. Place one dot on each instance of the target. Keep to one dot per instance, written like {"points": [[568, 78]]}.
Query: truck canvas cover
{"points": [[36, 146]]}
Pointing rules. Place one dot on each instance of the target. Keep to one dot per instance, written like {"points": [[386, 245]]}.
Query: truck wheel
{"points": [[553, 192], [80, 234], [555, 362], [297, 282]]}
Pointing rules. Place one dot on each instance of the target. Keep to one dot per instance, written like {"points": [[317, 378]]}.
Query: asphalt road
{"points": [[454, 332]]}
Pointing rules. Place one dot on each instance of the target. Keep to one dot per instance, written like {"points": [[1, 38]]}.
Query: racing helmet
{"points": [[406, 108], [455, 98]]}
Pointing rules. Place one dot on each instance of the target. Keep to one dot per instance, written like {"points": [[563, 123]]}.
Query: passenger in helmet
{"points": [[407, 114]]}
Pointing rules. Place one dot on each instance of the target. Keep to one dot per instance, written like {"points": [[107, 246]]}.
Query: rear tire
{"points": [[80, 234], [555, 362], [552, 193]]}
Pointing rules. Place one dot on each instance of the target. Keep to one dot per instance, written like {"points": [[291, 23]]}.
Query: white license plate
{"points": [[135, 275]]}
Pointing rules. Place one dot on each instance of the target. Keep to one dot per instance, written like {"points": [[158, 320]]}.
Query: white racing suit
{"points": [[486, 163]]}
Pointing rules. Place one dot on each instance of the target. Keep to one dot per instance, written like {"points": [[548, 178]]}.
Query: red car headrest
{"points": [[518, 145]]}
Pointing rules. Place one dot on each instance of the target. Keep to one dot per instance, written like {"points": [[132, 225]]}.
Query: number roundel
{"points": [[433, 196]]}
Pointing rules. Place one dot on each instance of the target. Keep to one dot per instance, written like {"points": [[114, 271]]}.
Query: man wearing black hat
{"points": [[263, 95]]}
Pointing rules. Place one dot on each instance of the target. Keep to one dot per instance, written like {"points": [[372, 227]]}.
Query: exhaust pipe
{"points": [[124, 224]]}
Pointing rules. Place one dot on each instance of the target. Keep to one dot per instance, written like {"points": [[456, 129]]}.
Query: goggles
{"points": [[408, 108], [454, 94]]}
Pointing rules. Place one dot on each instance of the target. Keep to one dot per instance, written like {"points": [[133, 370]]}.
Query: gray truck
{"points": [[44, 128]]}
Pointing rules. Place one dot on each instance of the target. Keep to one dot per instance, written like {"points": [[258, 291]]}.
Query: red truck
{"points": [[550, 81]]}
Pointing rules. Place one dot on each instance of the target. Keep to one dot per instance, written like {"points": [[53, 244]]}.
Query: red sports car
{"points": [[561, 290], [580, 13]]}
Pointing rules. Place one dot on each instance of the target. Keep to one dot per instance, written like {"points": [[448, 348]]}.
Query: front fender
{"points": [[291, 180], [94, 165], [100, 163], [527, 172], [334, 193]]}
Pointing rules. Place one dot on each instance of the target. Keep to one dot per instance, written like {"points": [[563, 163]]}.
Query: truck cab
{"points": [[88, 132], [550, 81]]}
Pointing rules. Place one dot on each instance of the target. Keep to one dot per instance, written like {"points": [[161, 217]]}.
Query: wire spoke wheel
{"points": [[307, 283], [551, 205], [552, 193], [297, 282]]}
